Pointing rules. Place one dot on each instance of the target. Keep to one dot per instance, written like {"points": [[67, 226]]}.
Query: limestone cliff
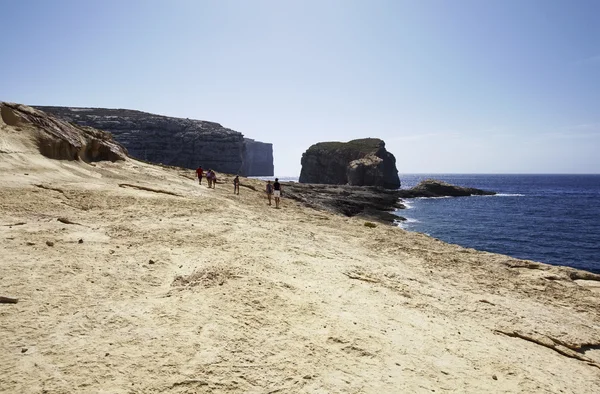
{"points": [[363, 162], [176, 141], [258, 158]]}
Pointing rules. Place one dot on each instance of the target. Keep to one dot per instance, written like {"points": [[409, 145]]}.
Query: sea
{"points": [[554, 219]]}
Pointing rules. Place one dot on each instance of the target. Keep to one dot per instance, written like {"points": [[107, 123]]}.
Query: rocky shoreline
{"points": [[373, 203]]}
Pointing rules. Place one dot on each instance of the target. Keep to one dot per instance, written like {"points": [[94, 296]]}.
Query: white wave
{"points": [[509, 195], [431, 198], [407, 204], [403, 223]]}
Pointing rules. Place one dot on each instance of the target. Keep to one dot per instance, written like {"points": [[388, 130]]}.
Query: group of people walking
{"points": [[273, 190], [211, 177]]}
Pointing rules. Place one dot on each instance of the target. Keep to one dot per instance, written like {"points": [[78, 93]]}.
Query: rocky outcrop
{"points": [[435, 188], [174, 141], [372, 203], [363, 162], [58, 139], [258, 158]]}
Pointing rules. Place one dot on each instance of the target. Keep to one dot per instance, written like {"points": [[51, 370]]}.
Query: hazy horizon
{"points": [[462, 87]]}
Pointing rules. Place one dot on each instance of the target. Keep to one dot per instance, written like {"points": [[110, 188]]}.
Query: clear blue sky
{"points": [[451, 86]]}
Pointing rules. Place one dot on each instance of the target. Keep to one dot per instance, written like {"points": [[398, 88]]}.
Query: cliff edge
{"points": [[362, 162]]}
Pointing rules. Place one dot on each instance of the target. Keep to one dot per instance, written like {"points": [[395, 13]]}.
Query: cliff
{"points": [[175, 141], [363, 162], [54, 138], [258, 158]]}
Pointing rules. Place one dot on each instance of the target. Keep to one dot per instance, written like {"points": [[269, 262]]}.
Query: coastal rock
{"points": [[177, 142], [58, 139], [435, 188], [374, 203], [362, 162]]}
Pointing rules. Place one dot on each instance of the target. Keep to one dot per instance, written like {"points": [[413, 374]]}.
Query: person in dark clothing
{"points": [[236, 185], [277, 192]]}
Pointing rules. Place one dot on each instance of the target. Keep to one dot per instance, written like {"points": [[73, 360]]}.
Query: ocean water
{"points": [[553, 219]]}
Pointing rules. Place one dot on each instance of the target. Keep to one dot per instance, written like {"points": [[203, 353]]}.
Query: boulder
{"points": [[363, 162], [177, 142], [58, 139]]}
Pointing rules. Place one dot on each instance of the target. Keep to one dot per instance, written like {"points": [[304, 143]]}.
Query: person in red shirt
{"points": [[199, 173]]}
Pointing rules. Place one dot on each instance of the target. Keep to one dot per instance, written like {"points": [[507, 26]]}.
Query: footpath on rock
{"points": [[122, 287]]}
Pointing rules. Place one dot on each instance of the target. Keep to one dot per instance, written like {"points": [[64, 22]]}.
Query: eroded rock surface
{"points": [[374, 203], [58, 139], [362, 162]]}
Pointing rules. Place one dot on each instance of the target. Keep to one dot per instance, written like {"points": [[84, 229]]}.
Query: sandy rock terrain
{"points": [[132, 278]]}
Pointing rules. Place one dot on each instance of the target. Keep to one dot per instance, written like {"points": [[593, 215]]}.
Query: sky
{"points": [[461, 86]]}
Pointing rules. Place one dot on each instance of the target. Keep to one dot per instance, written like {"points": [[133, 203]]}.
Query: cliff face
{"points": [[172, 141], [258, 158], [60, 140], [363, 162]]}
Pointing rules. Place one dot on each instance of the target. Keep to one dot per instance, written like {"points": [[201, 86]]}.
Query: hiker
{"points": [[269, 190], [199, 173], [277, 192], [214, 179], [236, 185], [209, 178]]}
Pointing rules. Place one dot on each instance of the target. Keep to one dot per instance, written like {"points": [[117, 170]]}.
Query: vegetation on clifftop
{"points": [[360, 145]]}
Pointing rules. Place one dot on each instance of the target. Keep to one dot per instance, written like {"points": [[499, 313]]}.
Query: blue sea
{"points": [[553, 219]]}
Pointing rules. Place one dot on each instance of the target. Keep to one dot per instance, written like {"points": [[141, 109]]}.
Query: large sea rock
{"points": [[178, 142], [362, 162]]}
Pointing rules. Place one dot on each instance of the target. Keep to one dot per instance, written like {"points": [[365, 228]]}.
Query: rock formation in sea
{"points": [[435, 188], [362, 162], [178, 142], [57, 139]]}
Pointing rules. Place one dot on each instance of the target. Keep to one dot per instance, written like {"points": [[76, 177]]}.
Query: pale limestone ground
{"points": [[290, 300]]}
